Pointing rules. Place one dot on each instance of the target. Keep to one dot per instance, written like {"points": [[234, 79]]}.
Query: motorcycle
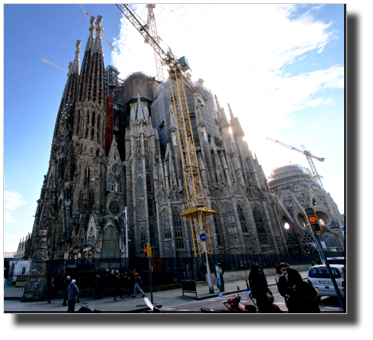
{"points": [[233, 305]]}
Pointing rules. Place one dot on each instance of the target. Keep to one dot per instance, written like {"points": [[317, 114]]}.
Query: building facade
{"points": [[294, 189], [115, 146]]}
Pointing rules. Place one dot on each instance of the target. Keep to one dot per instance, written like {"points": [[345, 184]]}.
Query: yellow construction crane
{"points": [[308, 155], [197, 211], [87, 14], [153, 30], [49, 62]]}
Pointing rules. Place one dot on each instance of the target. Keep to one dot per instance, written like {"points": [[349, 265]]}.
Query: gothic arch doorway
{"points": [[110, 243]]}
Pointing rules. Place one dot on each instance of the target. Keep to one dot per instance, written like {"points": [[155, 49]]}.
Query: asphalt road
{"points": [[327, 304]]}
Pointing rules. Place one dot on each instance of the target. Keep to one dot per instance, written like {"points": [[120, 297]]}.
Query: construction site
{"points": [[155, 162]]}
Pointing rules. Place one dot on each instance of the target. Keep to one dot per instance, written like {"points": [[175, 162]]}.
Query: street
{"points": [[171, 300], [327, 304]]}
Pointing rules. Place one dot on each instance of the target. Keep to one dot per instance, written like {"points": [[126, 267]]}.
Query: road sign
{"points": [[203, 237]]}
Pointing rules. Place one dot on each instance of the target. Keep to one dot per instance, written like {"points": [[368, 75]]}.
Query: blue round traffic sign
{"points": [[203, 237]]}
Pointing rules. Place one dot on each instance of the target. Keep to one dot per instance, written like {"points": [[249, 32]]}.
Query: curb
{"points": [[204, 297]]}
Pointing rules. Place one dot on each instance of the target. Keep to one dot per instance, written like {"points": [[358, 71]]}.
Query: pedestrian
{"points": [[73, 293], [260, 291], [131, 282], [303, 296], [284, 286], [137, 287], [117, 288], [78, 285], [98, 287], [66, 285], [50, 289]]}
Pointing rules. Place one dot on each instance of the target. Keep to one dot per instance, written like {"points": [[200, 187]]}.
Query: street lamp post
{"points": [[211, 287], [126, 231]]}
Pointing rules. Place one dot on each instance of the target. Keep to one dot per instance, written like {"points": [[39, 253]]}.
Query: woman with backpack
{"points": [[303, 296], [138, 281], [261, 292]]}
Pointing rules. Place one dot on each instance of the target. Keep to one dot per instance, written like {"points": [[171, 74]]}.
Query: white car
{"points": [[320, 279]]}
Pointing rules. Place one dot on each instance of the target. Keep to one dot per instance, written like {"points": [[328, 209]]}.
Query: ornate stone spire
{"points": [[223, 122], [139, 110], [236, 126], [98, 41], [91, 38], [76, 64]]}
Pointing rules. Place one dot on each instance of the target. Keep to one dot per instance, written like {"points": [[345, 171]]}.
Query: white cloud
{"points": [[12, 200], [240, 51], [243, 53]]}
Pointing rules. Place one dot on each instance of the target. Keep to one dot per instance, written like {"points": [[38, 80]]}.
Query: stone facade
{"points": [[295, 189], [92, 178]]}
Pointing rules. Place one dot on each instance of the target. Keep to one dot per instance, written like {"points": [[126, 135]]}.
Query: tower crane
{"points": [[197, 211], [87, 14], [153, 30], [308, 155], [49, 62]]}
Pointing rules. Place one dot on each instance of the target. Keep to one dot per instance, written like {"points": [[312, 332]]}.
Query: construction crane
{"points": [[153, 30], [197, 211], [87, 14], [308, 155], [49, 62]]}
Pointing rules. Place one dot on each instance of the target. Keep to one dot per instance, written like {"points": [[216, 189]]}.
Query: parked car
{"points": [[319, 277]]}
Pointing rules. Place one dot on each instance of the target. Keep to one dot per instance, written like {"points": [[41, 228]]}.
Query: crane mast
{"points": [[153, 29], [197, 211], [308, 155]]}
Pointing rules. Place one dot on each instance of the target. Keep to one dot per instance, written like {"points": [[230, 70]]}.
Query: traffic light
{"points": [[146, 249], [313, 220], [150, 252]]}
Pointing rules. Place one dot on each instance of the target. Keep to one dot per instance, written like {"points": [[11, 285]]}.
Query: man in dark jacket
{"points": [[284, 286], [117, 289], [98, 287], [66, 285], [72, 293]]}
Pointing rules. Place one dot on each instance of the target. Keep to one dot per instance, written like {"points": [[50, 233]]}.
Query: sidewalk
{"points": [[167, 298]]}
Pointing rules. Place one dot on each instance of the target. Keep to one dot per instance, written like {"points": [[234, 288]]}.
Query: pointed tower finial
{"points": [[76, 63], [91, 38], [217, 102], [139, 111], [98, 41], [230, 112]]}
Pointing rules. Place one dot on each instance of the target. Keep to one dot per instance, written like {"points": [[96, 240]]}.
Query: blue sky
{"points": [[281, 69]]}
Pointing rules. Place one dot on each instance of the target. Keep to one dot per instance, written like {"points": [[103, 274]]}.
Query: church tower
{"points": [[88, 196], [141, 173]]}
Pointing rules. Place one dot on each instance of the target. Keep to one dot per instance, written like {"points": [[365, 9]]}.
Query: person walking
{"points": [[98, 287], [260, 291], [78, 285], [66, 285], [284, 286], [303, 296], [131, 282], [117, 288], [50, 289], [73, 293], [137, 287]]}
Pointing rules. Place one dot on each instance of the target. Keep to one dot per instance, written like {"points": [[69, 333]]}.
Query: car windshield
{"points": [[322, 272]]}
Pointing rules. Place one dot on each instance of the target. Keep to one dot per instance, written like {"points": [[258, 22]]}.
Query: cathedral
{"points": [[115, 148]]}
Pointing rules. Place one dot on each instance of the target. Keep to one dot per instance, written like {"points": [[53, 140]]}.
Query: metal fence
{"points": [[165, 271]]}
